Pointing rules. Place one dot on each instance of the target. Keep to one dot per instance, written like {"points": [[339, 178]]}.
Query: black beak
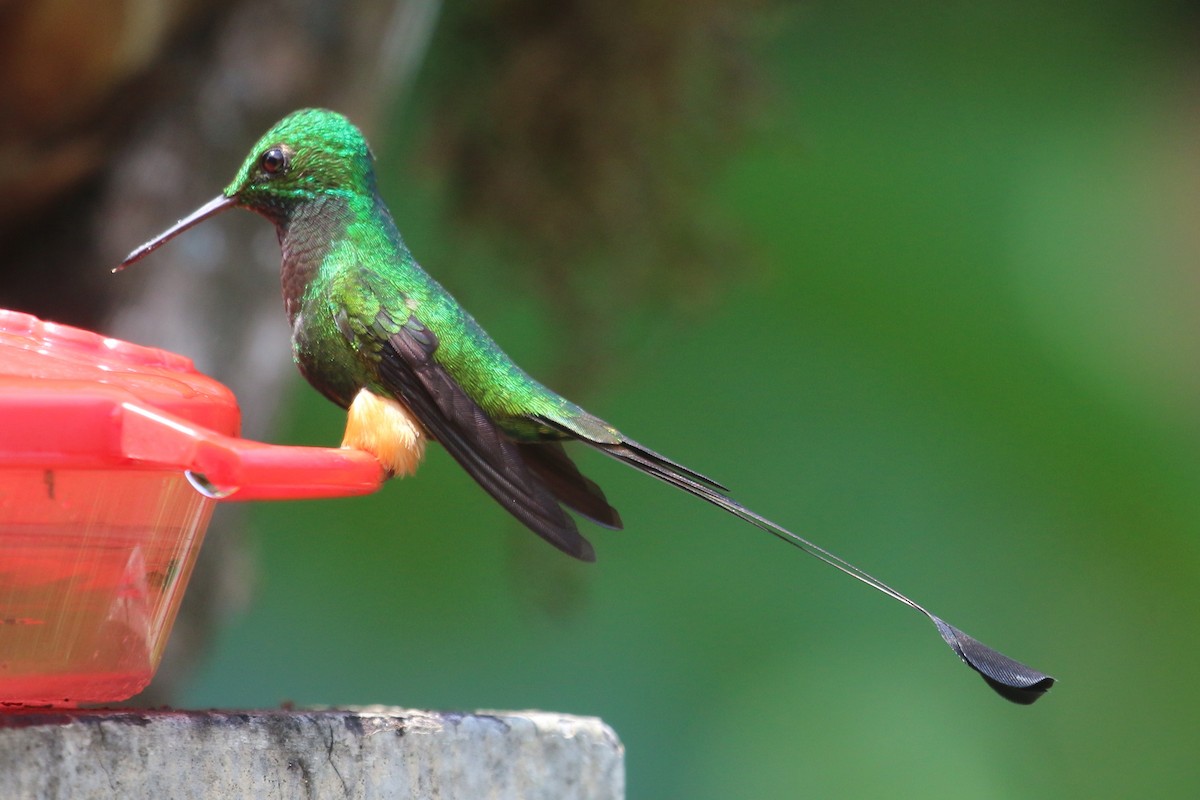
{"points": [[209, 209]]}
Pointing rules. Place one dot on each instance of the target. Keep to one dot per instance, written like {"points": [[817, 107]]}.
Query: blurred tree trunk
{"points": [[123, 116]]}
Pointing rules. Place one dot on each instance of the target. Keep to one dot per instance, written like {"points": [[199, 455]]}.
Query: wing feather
{"points": [[408, 368]]}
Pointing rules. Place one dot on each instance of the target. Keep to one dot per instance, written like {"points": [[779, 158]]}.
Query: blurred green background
{"points": [[938, 314], [958, 348]]}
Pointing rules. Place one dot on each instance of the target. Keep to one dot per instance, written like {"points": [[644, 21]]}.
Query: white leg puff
{"points": [[383, 427]]}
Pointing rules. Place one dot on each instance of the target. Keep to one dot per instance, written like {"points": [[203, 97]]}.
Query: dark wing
{"points": [[503, 468], [550, 462]]}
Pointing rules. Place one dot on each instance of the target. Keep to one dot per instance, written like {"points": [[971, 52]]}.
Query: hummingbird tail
{"points": [[549, 462], [1009, 678]]}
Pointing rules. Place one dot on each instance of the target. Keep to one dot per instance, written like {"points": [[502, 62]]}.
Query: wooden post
{"points": [[373, 752]]}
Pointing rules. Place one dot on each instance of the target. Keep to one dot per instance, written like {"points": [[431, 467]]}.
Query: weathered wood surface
{"points": [[376, 752]]}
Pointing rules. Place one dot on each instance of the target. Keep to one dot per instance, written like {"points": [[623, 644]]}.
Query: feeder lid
{"points": [[72, 398]]}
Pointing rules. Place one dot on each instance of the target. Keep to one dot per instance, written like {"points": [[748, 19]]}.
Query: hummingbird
{"points": [[378, 336]]}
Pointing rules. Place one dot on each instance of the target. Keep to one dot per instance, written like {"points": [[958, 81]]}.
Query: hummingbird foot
{"points": [[383, 427]]}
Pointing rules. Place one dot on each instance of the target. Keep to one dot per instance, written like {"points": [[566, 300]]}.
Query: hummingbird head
{"points": [[307, 156]]}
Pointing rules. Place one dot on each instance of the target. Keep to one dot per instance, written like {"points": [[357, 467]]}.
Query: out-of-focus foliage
{"points": [[965, 358], [577, 138], [958, 347]]}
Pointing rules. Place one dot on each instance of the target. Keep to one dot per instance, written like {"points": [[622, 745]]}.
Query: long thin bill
{"points": [[209, 209]]}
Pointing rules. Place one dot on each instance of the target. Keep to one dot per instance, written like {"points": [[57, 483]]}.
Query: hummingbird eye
{"points": [[274, 161]]}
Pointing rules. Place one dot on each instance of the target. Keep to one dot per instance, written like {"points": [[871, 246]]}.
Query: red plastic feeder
{"points": [[111, 458]]}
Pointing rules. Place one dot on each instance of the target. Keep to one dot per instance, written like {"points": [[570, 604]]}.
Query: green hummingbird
{"points": [[374, 333]]}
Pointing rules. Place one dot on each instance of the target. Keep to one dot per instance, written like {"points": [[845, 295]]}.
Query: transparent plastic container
{"points": [[112, 457]]}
